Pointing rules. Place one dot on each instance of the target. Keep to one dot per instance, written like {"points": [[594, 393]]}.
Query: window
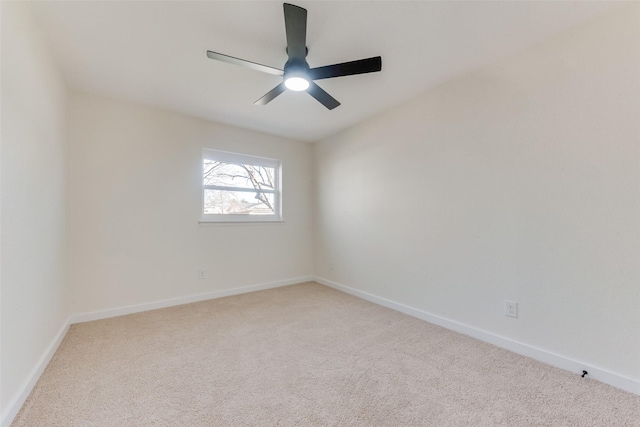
{"points": [[237, 187]]}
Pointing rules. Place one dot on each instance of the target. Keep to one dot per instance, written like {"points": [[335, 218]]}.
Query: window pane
{"points": [[238, 203], [239, 187], [238, 175]]}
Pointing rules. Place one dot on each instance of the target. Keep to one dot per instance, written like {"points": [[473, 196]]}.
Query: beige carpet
{"points": [[303, 355]]}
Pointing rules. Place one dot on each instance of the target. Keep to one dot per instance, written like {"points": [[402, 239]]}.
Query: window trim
{"points": [[238, 158]]}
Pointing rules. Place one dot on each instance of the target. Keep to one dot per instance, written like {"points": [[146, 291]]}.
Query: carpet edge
{"points": [[544, 356]]}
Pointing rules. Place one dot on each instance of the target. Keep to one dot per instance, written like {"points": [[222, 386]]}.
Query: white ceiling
{"points": [[155, 52]]}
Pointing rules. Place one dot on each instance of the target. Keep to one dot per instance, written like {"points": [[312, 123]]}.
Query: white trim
{"points": [[235, 219], [239, 158], [562, 362], [18, 400], [544, 356], [235, 223], [14, 406], [137, 308]]}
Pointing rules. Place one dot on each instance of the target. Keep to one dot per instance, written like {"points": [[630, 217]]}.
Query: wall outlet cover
{"points": [[511, 308]]}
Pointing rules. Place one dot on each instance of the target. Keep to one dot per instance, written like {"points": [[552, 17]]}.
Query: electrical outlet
{"points": [[202, 274], [511, 308]]}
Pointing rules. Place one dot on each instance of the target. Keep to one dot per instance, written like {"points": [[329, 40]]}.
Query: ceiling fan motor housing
{"points": [[296, 67]]}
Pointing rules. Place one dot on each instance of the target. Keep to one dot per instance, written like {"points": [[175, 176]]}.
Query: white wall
{"points": [[520, 181], [33, 190], [136, 201]]}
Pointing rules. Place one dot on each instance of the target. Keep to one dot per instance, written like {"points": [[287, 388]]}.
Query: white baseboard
{"points": [[130, 309], [544, 356], [18, 400], [562, 362]]}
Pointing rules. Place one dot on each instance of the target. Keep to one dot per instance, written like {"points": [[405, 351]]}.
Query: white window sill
{"points": [[218, 223]]}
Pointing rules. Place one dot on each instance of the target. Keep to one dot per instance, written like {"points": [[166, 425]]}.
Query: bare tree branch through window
{"points": [[239, 188]]}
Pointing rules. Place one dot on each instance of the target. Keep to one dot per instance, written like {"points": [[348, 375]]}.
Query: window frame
{"points": [[238, 158]]}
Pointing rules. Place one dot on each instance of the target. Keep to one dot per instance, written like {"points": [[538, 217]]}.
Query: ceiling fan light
{"points": [[296, 83]]}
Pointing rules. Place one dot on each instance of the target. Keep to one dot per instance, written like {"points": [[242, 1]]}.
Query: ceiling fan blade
{"points": [[244, 63], [361, 66], [323, 97], [295, 21], [270, 96]]}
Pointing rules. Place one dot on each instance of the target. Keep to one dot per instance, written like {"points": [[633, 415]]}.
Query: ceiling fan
{"points": [[297, 75]]}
